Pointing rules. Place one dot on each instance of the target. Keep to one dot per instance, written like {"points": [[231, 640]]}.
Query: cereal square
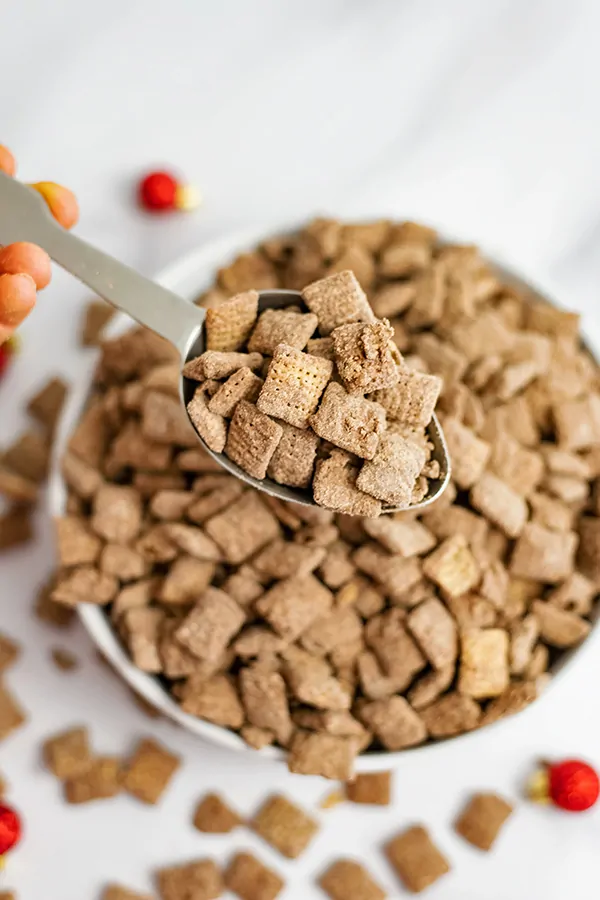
{"points": [[322, 754], [68, 754], [213, 365], [117, 892], [482, 818], [415, 859], [242, 385], [392, 473], [229, 325], [558, 627], [281, 326], [252, 439], [164, 420], [335, 487], [428, 688], [293, 385], [29, 456], [149, 771], [264, 696], [453, 567], [337, 300], [373, 788], [321, 347], [282, 558], [117, 513], [186, 578], [469, 454], [484, 669], [341, 627], [214, 699], [99, 781], [293, 461], [522, 469], [365, 356], [46, 405], [293, 604], [285, 826], [190, 540], [243, 528], [434, 630], [16, 527], [214, 816], [141, 628], [349, 421], [407, 537], [91, 436], [395, 649], [16, 488], [208, 628], [9, 652], [541, 554], [199, 880], [394, 722], [310, 681], [346, 879], [249, 879], [450, 715], [412, 400], [577, 423], [85, 585], [500, 504]]}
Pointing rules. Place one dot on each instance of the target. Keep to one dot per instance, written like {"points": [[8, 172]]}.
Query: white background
{"points": [[481, 117]]}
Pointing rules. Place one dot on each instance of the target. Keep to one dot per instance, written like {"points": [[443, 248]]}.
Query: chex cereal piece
{"points": [[91, 436], [434, 629], [543, 555], [85, 585], [281, 559], [191, 540], [394, 722], [469, 453], [349, 421], [29, 456], [517, 696], [451, 714], [176, 660], [149, 771], [117, 513], [577, 422], [214, 816], [170, 505], [80, 477], [429, 687], [68, 754], [588, 558], [124, 563], [265, 702], [99, 781], [404, 258], [558, 627], [213, 364], [523, 637], [293, 604], [576, 594], [500, 504], [279, 326], [117, 892], [407, 537], [12, 715], [185, 580], [293, 385], [484, 669], [453, 567], [142, 627], [165, 421], [412, 399], [482, 818], [211, 426], [310, 681], [373, 788], [391, 475], [395, 574], [214, 501], [342, 626], [252, 439], [249, 879], [322, 754], [96, 316], [550, 320], [211, 624], [9, 652], [346, 879], [14, 487], [214, 699], [392, 299], [395, 649], [63, 659], [198, 880], [334, 487], [229, 325], [320, 347], [337, 300], [257, 738], [46, 405], [243, 587], [415, 859], [16, 527], [242, 385], [337, 567], [248, 270], [338, 722], [284, 826], [243, 528], [517, 466], [294, 458], [364, 357]]}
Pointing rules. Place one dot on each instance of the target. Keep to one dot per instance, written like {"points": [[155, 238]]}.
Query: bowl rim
{"points": [[189, 275]]}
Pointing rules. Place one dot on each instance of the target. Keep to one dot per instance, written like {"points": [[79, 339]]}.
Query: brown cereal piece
{"points": [[46, 405], [293, 385], [257, 738], [520, 468], [257, 641], [559, 628], [14, 487], [265, 702], [185, 580], [452, 714], [337, 566], [588, 558], [340, 627], [322, 754], [430, 294], [514, 378], [484, 669], [249, 879], [350, 422], [214, 699], [198, 880], [211, 427], [412, 400], [156, 546], [164, 421], [370, 235], [8, 895], [91, 436], [550, 320], [453, 567], [486, 335], [551, 513], [396, 575], [242, 385], [394, 722], [99, 781], [85, 585], [327, 234], [132, 596], [393, 299], [405, 258], [294, 458], [142, 628], [170, 505], [80, 477], [68, 754], [434, 630], [346, 879], [407, 537], [311, 682], [76, 543], [96, 316], [337, 300], [281, 326], [176, 660], [12, 715], [133, 354], [482, 818], [48, 610], [577, 422], [243, 528], [334, 487], [117, 513], [293, 604], [523, 637], [163, 378], [208, 628], [429, 687], [416, 860], [538, 664], [214, 365], [192, 540], [500, 504], [252, 439], [16, 527], [243, 587], [333, 721], [395, 649], [214, 816], [576, 594], [284, 826], [29, 456], [117, 892], [149, 770], [374, 682], [514, 699], [229, 325], [543, 555], [372, 788], [563, 462], [214, 501], [281, 559], [571, 490], [148, 483], [64, 660], [322, 347], [364, 357], [248, 270], [441, 358], [9, 652], [469, 454], [392, 473]]}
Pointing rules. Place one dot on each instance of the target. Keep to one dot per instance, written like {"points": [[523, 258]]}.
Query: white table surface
{"points": [[482, 117]]}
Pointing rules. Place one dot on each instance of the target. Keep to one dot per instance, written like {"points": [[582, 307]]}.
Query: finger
{"points": [[62, 202], [17, 299], [7, 161], [30, 259]]}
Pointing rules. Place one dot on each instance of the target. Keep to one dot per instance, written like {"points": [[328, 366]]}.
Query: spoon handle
{"points": [[24, 216]]}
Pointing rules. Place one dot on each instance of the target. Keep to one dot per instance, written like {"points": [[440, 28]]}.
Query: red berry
{"points": [[573, 785], [10, 829], [158, 191]]}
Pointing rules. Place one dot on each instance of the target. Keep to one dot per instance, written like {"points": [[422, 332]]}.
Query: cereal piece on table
{"points": [[229, 325], [558, 627], [293, 385], [185, 580], [214, 699], [192, 540], [337, 300], [117, 892], [211, 427], [576, 594], [428, 688], [411, 401], [213, 621], [342, 626], [452, 714], [12, 715], [294, 458], [68, 754], [310, 681], [482, 818], [148, 772], [434, 629], [214, 816], [99, 781], [391, 475], [284, 826], [214, 365], [85, 585], [142, 634], [249, 879], [415, 859], [14, 487], [543, 555], [394, 722], [198, 880], [453, 567], [281, 326], [48, 610], [47, 404], [373, 788], [517, 466], [257, 738], [293, 604], [16, 527], [242, 385], [322, 754], [349, 421], [252, 439], [9, 652], [281, 559], [364, 357], [469, 453], [96, 316], [322, 347], [484, 670], [407, 537], [117, 513], [64, 659], [29, 456], [500, 504], [346, 879], [243, 528], [265, 702], [514, 699], [334, 487]]}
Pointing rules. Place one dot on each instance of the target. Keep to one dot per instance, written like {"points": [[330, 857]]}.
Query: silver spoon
{"points": [[24, 216]]}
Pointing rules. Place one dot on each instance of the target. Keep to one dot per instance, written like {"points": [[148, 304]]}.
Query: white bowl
{"points": [[189, 277]]}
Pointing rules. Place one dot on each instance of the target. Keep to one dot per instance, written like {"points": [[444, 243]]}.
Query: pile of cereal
{"points": [[308, 421], [329, 634]]}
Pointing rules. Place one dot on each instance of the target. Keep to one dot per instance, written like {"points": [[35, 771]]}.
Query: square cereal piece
{"points": [[335, 487], [186, 578], [404, 258], [214, 699], [337, 300], [284, 826], [68, 754], [12, 715], [434, 630], [415, 859], [15, 487], [482, 818], [9, 652], [199, 880], [428, 304], [469, 454], [412, 400], [243, 528], [395, 649], [541, 554], [29, 456], [407, 537], [229, 325], [366, 357], [337, 566], [99, 781], [208, 628], [559, 628], [500, 504], [395, 574], [214, 816], [484, 663], [391, 475], [214, 365], [310, 681], [556, 323], [149, 771], [85, 585], [522, 469], [320, 347], [294, 458], [428, 688], [252, 439], [373, 788], [282, 558], [264, 696], [452, 714], [117, 513], [292, 605], [453, 567], [77, 545], [242, 385], [164, 420], [576, 594], [96, 316], [394, 722], [117, 892], [577, 423], [293, 385], [392, 299], [346, 879], [340, 628], [323, 754], [190, 540], [281, 326], [47, 404], [249, 879], [16, 527], [142, 631], [348, 421]]}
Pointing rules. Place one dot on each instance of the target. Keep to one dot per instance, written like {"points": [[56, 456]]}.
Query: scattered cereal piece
{"points": [[214, 816], [252, 439], [334, 487], [416, 860], [346, 879], [16, 528], [482, 818], [337, 300], [391, 475], [349, 421], [100, 780], [198, 880], [29, 456], [96, 316], [117, 892], [68, 754], [588, 557], [453, 567], [211, 624], [374, 788], [243, 528], [247, 877], [9, 652], [14, 487], [364, 357], [543, 555], [322, 754], [293, 385], [149, 771], [46, 405], [229, 325], [332, 799], [64, 659], [285, 826]]}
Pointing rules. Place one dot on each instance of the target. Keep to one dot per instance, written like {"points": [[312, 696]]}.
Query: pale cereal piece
{"points": [[371, 788], [337, 300], [252, 439], [186, 579], [279, 326], [364, 357], [211, 624], [243, 528], [123, 562], [558, 627], [310, 681], [347, 879], [482, 818], [176, 660], [520, 468], [132, 354], [170, 505], [576, 594], [149, 770], [446, 522], [514, 699], [392, 474], [396, 575], [394, 722], [486, 335], [500, 504], [322, 347], [9, 652], [513, 379], [243, 588], [375, 684], [538, 664], [46, 405], [523, 637], [429, 687], [156, 546], [469, 454], [197, 460], [572, 491], [430, 295], [293, 604], [117, 513], [214, 365], [327, 234], [284, 826], [334, 487], [294, 458], [387, 636], [265, 702], [198, 880], [257, 738], [393, 299], [64, 660], [68, 754], [452, 714], [192, 540], [412, 400], [29, 456], [453, 567], [434, 629], [257, 641], [163, 378], [322, 754], [484, 670], [142, 634], [117, 892], [293, 385], [80, 477], [242, 385], [350, 422], [337, 566], [229, 325], [164, 420], [404, 258], [213, 502], [407, 537], [281, 559], [214, 816], [16, 488], [588, 558], [250, 879], [99, 781], [543, 555], [85, 585], [550, 320], [551, 513], [48, 610]]}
